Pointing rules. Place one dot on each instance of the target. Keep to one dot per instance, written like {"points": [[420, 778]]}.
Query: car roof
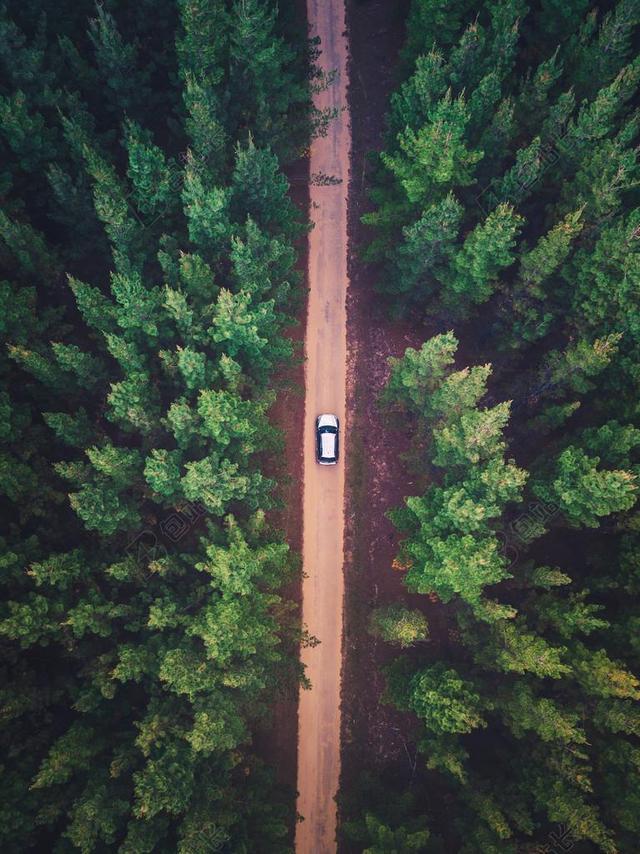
{"points": [[328, 445], [327, 420]]}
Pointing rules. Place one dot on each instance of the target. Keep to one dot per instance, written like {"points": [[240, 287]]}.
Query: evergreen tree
{"points": [[486, 251], [398, 625], [582, 491], [142, 643]]}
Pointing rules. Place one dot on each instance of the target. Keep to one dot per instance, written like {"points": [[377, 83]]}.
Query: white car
{"points": [[327, 439]]}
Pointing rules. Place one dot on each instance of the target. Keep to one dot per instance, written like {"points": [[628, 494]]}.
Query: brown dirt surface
{"points": [[323, 501]]}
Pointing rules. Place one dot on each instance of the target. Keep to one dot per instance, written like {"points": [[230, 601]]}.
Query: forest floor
{"points": [[276, 737], [374, 736]]}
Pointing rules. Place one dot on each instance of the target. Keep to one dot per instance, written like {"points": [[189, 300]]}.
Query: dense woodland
{"points": [[147, 245], [506, 219]]}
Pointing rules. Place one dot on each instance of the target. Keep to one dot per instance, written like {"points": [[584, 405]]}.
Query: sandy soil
{"points": [[323, 511]]}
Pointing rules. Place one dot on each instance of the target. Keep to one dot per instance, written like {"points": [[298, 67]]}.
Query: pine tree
{"points": [[596, 119], [489, 248], [216, 483], [435, 158], [432, 21], [599, 676], [202, 55], [584, 492], [21, 241], [384, 840], [133, 403], [260, 191], [415, 376], [466, 57], [262, 88], [510, 647], [263, 265], [558, 20], [75, 430], [444, 701], [552, 659], [245, 332], [524, 710], [410, 104], [155, 180], [227, 419], [88, 369], [399, 626], [207, 212], [26, 132], [528, 296], [128, 673], [424, 255], [475, 437], [534, 98], [458, 565], [110, 199], [102, 507], [597, 60], [125, 82]]}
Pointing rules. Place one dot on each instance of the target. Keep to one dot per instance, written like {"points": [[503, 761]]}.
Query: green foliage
{"points": [[102, 507], [133, 403], [228, 419], [399, 626], [451, 548], [245, 330], [217, 482], [432, 21], [513, 649], [162, 472], [87, 369], [260, 191], [445, 702], [485, 252], [75, 430], [528, 297], [153, 177], [263, 89], [524, 711], [602, 677], [476, 436], [419, 373], [530, 667], [457, 564], [435, 157], [117, 62], [206, 210], [96, 309], [385, 840], [582, 491], [202, 53], [142, 642], [422, 259], [28, 247], [558, 19]]}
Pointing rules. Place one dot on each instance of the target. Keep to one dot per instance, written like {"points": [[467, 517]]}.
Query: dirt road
{"points": [[323, 512]]}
